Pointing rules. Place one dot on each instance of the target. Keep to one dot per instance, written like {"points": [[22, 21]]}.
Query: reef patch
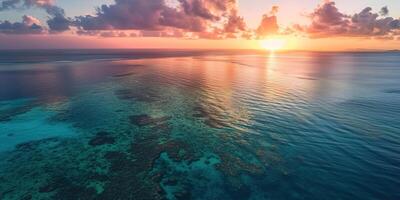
{"points": [[101, 138]]}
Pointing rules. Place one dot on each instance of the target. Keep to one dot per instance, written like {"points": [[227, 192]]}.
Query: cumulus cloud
{"points": [[235, 23], [384, 11], [197, 16], [328, 21], [29, 20], [29, 25], [269, 23], [211, 19], [124, 15], [58, 22]]}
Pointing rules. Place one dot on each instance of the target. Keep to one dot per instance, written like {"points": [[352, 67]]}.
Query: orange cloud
{"points": [[269, 23]]}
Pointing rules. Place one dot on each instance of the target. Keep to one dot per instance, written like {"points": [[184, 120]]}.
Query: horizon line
{"points": [[207, 49]]}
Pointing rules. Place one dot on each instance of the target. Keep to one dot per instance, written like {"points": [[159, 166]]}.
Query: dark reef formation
{"points": [[135, 154]]}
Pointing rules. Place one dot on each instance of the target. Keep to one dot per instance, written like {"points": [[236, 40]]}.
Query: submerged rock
{"points": [[145, 120], [48, 188], [101, 138], [171, 181], [209, 119], [54, 184], [126, 94], [241, 192], [199, 112], [64, 188], [183, 195], [32, 145], [393, 91], [7, 114], [123, 75]]}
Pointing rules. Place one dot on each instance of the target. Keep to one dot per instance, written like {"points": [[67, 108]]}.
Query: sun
{"points": [[273, 44]]}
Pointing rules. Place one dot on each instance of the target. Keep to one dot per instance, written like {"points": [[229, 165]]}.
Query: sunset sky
{"points": [[238, 24]]}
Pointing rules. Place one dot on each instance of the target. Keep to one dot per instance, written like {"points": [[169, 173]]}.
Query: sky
{"points": [[326, 25]]}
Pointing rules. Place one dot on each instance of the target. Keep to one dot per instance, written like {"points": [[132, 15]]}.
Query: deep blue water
{"points": [[146, 124]]}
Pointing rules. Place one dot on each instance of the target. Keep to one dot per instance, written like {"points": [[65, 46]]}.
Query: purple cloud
{"points": [[29, 25], [328, 21], [384, 11], [212, 19], [196, 16], [58, 21]]}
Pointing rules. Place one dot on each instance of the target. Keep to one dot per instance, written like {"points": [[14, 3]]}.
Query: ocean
{"points": [[180, 124]]}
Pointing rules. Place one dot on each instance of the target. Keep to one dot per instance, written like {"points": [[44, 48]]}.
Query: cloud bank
{"points": [[328, 21], [210, 19]]}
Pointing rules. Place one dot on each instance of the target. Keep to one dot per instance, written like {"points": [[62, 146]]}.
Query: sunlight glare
{"points": [[273, 44]]}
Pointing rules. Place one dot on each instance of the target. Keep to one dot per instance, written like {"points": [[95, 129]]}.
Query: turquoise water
{"points": [[125, 124]]}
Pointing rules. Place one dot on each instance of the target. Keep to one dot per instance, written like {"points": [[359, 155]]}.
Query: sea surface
{"points": [[181, 125]]}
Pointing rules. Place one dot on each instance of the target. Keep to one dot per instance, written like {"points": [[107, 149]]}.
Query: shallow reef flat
{"points": [[204, 127]]}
